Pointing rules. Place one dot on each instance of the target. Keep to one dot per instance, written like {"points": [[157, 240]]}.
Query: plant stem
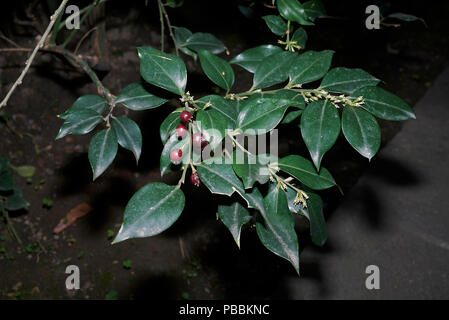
{"points": [[85, 15], [239, 145], [161, 17], [170, 29], [186, 165], [39, 45]]}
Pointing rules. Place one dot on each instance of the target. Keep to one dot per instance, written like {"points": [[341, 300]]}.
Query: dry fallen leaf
{"points": [[79, 211]]}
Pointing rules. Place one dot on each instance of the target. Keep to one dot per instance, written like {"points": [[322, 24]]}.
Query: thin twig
{"points": [[15, 49], [83, 38], [9, 40], [170, 29], [160, 5], [33, 54]]}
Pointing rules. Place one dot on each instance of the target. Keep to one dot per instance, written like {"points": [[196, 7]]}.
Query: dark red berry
{"points": [[185, 116], [181, 131], [176, 156], [195, 179], [197, 139]]}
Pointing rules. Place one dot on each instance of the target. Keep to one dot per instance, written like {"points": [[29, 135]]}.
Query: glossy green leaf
{"points": [[320, 127], [205, 41], [135, 97], [384, 104], [261, 115], [251, 168], [361, 130], [273, 69], [291, 116], [234, 217], [276, 24], [303, 170], [150, 211], [79, 122], [128, 135], [90, 102], [181, 35], [314, 9], [219, 178], [295, 98], [310, 66], [347, 80], [300, 36], [212, 126], [102, 151], [168, 126], [163, 70], [222, 106], [217, 70], [251, 58], [15, 201], [277, 231], [294, 11], [314, 213], [6, 181]]}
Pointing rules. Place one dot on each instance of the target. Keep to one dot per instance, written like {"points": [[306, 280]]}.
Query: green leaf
{"points": [[79, 122], [181, 35], [4, 164], [314, 213], [251, 168], [217, 70], [168, 126], [261, 115], [347, 80], [314, 9], [251, 58], [128, 135], [135, 97], [294, 11], [384, 104], [205, 41], [174, 3], [6, 181], [303, 170], [212, 126], [219, 177], [25, 171], [310, 66], [234, 217], [277, 232], [276, 24], [102, 151], [221, 105], [361, 130], [163, 70], [273, 69], [406, 17], [320, 127], [291, 116], [87, 102], [300, 36], [15, 201], [151, 210], [295, 98]]}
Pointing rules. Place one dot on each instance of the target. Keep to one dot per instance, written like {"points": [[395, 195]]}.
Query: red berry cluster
{"points": [[197, 140]]}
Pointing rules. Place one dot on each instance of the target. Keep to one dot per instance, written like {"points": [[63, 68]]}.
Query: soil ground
{"points": [[196, 258]]}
